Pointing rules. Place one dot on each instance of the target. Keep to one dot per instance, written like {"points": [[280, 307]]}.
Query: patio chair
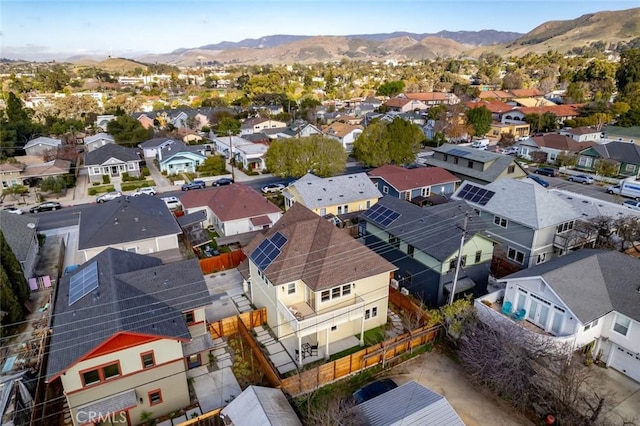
{"points": [[506, 308], [314, 350], [519, 316]]}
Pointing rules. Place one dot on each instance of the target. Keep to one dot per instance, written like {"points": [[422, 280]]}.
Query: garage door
{"points": [[626, 361]]}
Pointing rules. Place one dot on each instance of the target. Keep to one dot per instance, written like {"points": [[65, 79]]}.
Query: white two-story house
{"points": [[588, 299]]}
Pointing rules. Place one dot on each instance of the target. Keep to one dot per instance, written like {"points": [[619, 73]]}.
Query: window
{"points": [[189, 317], [371, 313], [345, 209], [446, 157], [385, 189], [368, 203], [147, 359], [291, 288], [630, 168], [346, 289], [621, 325], [541, 258], [500, 221], [564, 227], [323, 212], [339, 209], [367, 314], [132, 249], [478, 256], [455, 160], [394, 241], [100, 374], [590, 325], [410, 250], [194, 361], [155, 397], [96, 170], [515, 255], [335, 292], [470, 164], [132, 166], [511, 169], [425, 192], [454, 262], [334, 328], [325, 296]]}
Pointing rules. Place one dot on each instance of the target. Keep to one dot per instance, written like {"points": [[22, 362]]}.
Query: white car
{"points": [[11, 209], [633, 205], [108, 196], [149, 190], [274, 187]]}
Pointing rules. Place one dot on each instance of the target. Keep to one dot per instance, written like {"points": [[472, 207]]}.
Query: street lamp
{"points": [[231, 158]]}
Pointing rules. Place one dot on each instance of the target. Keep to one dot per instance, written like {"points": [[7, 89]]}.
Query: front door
{"points": [[114, 170], [538, 313]]}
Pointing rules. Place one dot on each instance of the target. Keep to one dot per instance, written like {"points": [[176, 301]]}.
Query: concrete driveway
{"points": [[622, 395], [475, 407]]}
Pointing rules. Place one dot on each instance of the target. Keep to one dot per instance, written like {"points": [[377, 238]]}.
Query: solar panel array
{"points": [[475, 194], [458, 152], [83, 282], [381, 215], [268, 250]]}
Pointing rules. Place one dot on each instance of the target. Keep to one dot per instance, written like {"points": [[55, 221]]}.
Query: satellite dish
{"points": [[31, 225]]}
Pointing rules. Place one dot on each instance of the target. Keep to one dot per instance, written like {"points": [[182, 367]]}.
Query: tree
{"points": [[297, 156], [14, 288], [126, 130], [630, 118], [576, 93], [628, 70], [539, 157], [56, 184], [390, 88], [542, 123], [15, 191], [228, 125], [480, 119], [382, 142]]}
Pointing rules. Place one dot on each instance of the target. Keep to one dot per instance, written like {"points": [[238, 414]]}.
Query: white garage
{"points": [[626, 362]]}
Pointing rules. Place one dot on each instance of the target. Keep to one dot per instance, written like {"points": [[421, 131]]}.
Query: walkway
{"points": [[162, 183]]}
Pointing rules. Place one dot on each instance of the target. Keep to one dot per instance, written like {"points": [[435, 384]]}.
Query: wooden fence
{"points": [[310, 380], [408, 307], [221, 262], [269, 371], [229, 326]]}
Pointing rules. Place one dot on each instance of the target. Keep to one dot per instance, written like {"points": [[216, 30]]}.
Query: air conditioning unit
{"points": [[394, 283], [404, 291]]}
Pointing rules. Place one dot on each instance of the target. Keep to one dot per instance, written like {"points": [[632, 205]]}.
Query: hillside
{"points": [[607, 26]]}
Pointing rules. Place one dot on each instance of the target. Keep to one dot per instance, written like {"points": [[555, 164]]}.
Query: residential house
{"points": [[233, 209], [583, 134], [337, 195], [424, 243], [38, 171], [587, 299], [409, 184], [551, 144], [349, 119], [405, 105], [20, 232], [178, 158], [317, 282], [102, 121], [474, 165], [147, 119], [91, 143], [431, 99], [527, 222], [10, 174], [247, 154], [151, 147], [17, 391], [496, 107], [531, 102], [120, 323], [562, 112], [623, 134], [626, 157], [258, 124], [112, 160], [258, 405], [141, 224], [346, 134], [41, 144], [499, 95], [410, 404], [498, 129], [526, 93]]}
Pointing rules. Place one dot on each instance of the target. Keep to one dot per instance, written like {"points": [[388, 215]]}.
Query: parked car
{"points": [[47, 206], [539, 180], [372, 390], [546, 171], [196, 184], [274, 187], [583, 179], [613, 189], [173, 203], [632, 204], [14, 210], [512, 150], [108, 196], [222, 182], [148, 190]]}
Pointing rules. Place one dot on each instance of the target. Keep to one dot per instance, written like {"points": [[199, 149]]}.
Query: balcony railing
{"points": [[315, 322], [574, 238]]}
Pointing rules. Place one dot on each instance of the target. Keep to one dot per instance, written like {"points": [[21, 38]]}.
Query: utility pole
{"points": [[231, 158], [459, 260]]}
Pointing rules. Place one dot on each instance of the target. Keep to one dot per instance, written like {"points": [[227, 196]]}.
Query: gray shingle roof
{"points": [[43, 140], [156, 142], [317, 192], [524, 201], [591, 208], [112, 150], [499, 163], [592, 283], [258, 405], [97, 137], [18, 233], [135, 293], [619, 151], [173, 149], [125, 219], [406, 405]]}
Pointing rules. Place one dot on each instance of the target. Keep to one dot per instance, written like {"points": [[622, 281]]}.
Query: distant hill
{"points": [[111, 64]]}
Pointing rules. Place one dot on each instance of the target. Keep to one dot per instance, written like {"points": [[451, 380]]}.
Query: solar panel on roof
{"points": [[381, 215], [83, 282], [475, 194], [279, 240], [268, 250], [458, 152]]}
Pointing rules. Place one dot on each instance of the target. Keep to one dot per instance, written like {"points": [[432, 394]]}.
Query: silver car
{"points": [[149, 190], [583, 179], [108, 196]]}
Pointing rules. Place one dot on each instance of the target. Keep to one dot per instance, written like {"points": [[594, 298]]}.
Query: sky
{"points": [[32, 29]]}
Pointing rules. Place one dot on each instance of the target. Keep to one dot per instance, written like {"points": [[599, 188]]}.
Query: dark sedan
{"points": [[222, 182], [539, 180], [372, 390], [46, 207], [196, 184]]}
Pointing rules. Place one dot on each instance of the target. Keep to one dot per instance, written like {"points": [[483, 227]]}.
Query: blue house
{"points": [[413, 184], [179, 158]]}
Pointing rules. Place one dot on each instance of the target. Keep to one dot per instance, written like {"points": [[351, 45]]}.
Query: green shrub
{"points": [[126, 177], [95, 183], [92, 191], [106, 179], [145, 171]]}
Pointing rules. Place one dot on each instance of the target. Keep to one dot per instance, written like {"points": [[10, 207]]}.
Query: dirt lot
{"points": [[440, 374]]}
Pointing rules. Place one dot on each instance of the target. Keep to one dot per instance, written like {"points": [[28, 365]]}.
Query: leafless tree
{"points": [[628, 229], [330, 410]]}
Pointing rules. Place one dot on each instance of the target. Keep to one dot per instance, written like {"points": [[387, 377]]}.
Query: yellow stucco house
{"points": [[336, 195]]}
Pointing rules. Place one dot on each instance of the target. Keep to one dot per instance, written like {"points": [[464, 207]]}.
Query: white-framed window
{"points": [[564, 227], [132, 249], [325, 296], [515, 255], [453, 262], [541, 258], [591, 325], [585, 161], [500, 221], [478, 256], [621, 324], [368, 203], [425, 192], [630, 168], [291, 288], [385, 189], [96, 170], [335, 292], [131, 166], [371, 313], [323, 212]]}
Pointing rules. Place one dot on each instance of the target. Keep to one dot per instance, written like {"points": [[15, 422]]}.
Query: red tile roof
{"points": [[405, 179], [525, 93], [319, 253], [491, 105], [427, 96], [231, 202], [397, 102], [495, 94], [569, 110]]}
